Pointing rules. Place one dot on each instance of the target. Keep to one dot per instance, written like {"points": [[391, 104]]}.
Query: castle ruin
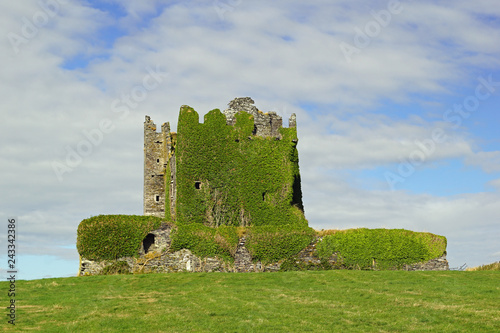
{"points": [[237, 168], [204, 172]]}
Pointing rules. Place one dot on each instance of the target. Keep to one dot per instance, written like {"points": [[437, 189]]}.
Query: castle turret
{"points": [[155, 160]]}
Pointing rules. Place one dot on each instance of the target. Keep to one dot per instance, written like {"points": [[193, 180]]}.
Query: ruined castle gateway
{"points": [[237, 168]]}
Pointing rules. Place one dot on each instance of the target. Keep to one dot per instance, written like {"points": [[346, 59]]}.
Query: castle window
{"points": [[157, 198], [157, 160], [147, 242], [197, 185]]}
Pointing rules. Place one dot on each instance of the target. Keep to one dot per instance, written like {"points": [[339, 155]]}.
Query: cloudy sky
{"points": [[396, 102]]}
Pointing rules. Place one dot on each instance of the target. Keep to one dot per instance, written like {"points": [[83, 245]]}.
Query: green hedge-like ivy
{"points": [[272, 243], [106, 237], [387, 248], [228, 176], [204, 241]]}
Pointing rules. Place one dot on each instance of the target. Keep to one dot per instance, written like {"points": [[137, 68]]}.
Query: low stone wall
{"points": [[155, 257], [438, 264]]}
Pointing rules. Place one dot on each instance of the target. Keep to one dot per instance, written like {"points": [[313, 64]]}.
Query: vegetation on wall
{"points": [[168, 214], [108, 237], [381, 248], [204, 241], [113, 236], [272, 243], [228, 176]]}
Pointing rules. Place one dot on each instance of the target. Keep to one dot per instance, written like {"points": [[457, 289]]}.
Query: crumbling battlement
{"points": [[266, 124]]}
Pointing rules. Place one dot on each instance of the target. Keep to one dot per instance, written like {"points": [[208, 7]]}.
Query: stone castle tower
{"points": [[158, 153], [161, 165]]}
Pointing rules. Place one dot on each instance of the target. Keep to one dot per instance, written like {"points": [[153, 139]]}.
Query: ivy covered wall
{"points": [[227, 175]]}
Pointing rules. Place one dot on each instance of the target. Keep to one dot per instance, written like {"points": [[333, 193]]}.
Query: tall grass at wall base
{"points": [[489, 267]]}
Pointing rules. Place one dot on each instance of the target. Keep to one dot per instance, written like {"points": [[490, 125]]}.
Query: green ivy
{"points": [[381, 248], [204, 241], [272, 243], [168, 213], [113, 236], [228, 176]]}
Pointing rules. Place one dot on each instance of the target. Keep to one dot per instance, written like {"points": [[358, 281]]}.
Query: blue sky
{"points": [[396, 103]]}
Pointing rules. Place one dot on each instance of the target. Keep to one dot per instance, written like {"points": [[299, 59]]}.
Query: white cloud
{"points": [[495, 184], [371, 141], [489, 161]]}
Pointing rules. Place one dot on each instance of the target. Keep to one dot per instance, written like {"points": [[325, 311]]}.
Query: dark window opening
{"points": [[297, 193], [157, 160], [197, 185], [147, 242], [254, 130], [152, 175], [157, 198], [157, 141]]}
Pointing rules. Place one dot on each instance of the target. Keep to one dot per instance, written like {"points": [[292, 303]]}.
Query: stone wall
{"points": [[156, 149], [266, 124], [438, 264], [156, 257]]}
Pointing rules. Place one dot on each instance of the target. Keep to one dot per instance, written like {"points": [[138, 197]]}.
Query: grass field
{"points": [[319, 301]]}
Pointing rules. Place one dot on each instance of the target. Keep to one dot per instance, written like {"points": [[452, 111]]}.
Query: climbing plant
{"points": [[113, 236], [204, 241], [271, 243], [381, 248], [228, 176]]}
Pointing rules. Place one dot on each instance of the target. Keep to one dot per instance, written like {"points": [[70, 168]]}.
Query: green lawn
{"points": [[319, 301]]}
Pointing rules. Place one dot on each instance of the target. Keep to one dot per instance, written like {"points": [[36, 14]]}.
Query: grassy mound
{"points": [[326, 301]]}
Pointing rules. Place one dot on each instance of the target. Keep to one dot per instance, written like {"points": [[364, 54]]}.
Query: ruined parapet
{"points": [[266, 124], [156, 147], [292, 121]]}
